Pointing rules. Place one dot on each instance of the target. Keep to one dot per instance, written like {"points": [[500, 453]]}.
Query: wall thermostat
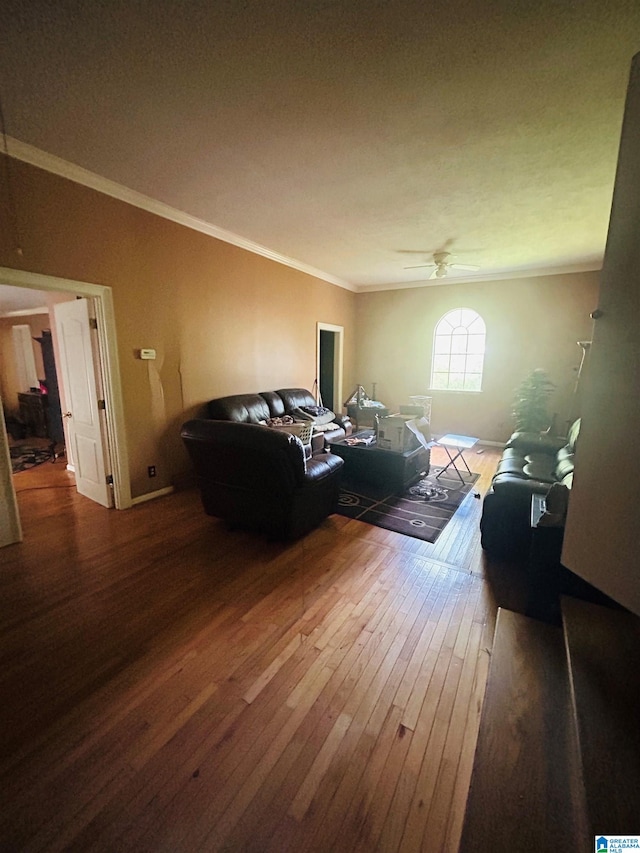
{"points": [[147, 354]]}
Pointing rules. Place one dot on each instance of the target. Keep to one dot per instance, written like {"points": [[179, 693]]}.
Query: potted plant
{"points": [[531, 402]]}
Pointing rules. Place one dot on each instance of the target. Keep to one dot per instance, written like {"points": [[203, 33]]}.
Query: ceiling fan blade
{"points": [[469, 267], [418, 267], [422, 252]]}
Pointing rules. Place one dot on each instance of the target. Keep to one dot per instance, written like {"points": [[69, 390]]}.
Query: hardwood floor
{"points": [[170, 686]]}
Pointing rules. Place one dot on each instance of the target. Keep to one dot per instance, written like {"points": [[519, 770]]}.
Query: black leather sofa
{"points": [[531, 464], [260, 479], [262, 406]]}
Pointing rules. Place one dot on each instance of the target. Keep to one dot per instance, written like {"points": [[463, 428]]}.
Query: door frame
{"points": [[338, 352], [109, 365]]}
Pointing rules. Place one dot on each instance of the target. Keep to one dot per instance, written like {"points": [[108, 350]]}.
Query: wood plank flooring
{"points": [[526, 788], [167, 685]]}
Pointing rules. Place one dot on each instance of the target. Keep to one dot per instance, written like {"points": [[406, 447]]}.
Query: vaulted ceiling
{"points": [[351, 137]]}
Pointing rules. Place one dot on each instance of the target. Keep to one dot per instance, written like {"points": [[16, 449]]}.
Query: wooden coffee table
{"points": [[384, 468]]}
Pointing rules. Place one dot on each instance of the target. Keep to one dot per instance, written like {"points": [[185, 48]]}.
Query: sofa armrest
{"points": [[344, 422]]}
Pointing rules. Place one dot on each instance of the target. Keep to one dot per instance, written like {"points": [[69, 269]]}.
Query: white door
{"points": [[85, 420], [10, 530]]}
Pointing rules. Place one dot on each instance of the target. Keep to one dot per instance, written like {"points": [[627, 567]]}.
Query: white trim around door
{"points": [[114, 408], [337, 363]]}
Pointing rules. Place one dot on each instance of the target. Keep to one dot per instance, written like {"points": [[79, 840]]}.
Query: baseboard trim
{"points": [[150, 496]]}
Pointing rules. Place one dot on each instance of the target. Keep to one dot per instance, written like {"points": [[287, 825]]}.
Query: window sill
{"points": [[452, 391]]}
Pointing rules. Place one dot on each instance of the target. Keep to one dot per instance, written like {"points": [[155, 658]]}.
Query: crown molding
{"points": [[64, 169]]}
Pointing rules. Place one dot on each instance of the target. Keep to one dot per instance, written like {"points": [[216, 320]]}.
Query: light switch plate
{"points": [[147, 354]]}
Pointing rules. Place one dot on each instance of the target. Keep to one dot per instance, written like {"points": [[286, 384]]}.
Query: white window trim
{"points": [[434, 390]]}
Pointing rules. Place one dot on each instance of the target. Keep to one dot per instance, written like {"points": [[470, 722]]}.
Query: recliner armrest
{"points": [[323, 465]]}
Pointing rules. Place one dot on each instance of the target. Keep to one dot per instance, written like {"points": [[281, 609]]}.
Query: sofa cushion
{"points": [[563, 467], [511, 462], [513, 455], [542, 471], [275, 403], [535, 442], [538, 459], [565, 452], [242, 408], [294, 398]]}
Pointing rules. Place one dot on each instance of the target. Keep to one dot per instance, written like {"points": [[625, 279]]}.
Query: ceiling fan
{"points": [[442, 265]]}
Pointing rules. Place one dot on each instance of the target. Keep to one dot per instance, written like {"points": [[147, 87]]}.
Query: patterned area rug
{"points": [[24, 457], [423, 511]]}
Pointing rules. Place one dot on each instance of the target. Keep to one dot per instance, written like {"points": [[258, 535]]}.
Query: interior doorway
{"points": [[107, 358], [330, 344]]}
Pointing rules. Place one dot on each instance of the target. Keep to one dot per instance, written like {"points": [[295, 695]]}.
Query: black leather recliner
{"points": [[259, 479]]}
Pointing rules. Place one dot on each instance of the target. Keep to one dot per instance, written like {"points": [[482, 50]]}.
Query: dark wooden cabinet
{"points": [[41, 413], [33, 413], [365, 416], [55, 430]]}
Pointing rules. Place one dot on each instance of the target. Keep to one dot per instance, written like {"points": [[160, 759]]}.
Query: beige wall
{"points": [[532, 322], [222, 320]]}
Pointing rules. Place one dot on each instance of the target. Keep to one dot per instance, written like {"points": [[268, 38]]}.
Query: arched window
{"points": [[458, 351]]}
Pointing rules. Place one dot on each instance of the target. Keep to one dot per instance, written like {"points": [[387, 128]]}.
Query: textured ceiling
{"points": [[354, 137]]}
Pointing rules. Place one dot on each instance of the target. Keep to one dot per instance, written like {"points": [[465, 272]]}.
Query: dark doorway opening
{"points": [[327, 368]]}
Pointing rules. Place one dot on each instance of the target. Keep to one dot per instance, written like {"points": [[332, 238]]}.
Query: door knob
{"points": [[67, 415]]}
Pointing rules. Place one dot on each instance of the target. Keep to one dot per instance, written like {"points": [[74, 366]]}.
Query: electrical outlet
{"points": [[152, 470]]}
